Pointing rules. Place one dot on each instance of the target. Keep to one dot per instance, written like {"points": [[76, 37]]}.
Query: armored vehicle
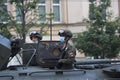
{"points": [[42, 65]]}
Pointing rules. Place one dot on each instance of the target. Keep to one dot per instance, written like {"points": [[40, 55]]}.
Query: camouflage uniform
{"points": [[69, 52]]}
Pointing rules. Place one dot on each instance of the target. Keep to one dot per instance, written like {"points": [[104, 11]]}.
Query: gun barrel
{"points": [[96, 61]]}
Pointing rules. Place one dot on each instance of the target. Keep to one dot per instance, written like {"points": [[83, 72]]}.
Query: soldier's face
{"points": [[62, 39], [35, 39]]}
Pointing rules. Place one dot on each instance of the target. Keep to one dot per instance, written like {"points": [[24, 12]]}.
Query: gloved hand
{"points": [[62, 61]]}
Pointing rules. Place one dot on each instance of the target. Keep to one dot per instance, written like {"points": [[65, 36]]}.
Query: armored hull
{"points": [[38, 73]]}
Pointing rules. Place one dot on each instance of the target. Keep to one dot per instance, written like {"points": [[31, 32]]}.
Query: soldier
{"points": [[16, 44], [35, 36], [68, 51]]}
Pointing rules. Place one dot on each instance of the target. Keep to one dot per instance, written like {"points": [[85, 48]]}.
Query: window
{"points": [[41, 1], [4, 1], [18, 14], [56, 1], [91, 10], [56, 10], [3, 11], [42, 10], [102, 9], [49, 6]]}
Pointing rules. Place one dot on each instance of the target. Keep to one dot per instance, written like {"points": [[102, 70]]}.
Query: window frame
{"points": [[58, 5], [43, 5], [6, 4]]}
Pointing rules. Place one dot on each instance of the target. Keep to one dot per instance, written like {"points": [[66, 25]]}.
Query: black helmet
{"points": [[65, 33], [35, 34]]}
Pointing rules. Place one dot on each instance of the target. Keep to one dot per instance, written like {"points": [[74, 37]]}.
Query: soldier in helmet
{"points": [[68, 51], [35, 36]]}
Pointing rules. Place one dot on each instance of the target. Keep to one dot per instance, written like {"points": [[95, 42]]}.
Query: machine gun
{"points": [[95, 63], [109, 67]]}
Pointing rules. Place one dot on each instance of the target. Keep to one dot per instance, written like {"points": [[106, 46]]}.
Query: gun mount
{"points": [[5, 49]]}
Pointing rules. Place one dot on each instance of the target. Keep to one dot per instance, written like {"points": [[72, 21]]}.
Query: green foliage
{"points": [[4, 20], [4, 30], [101, 39], [92, 1], [22, 9]]}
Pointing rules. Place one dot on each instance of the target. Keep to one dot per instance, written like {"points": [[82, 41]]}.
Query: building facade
{"points": [[68, 14]]}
